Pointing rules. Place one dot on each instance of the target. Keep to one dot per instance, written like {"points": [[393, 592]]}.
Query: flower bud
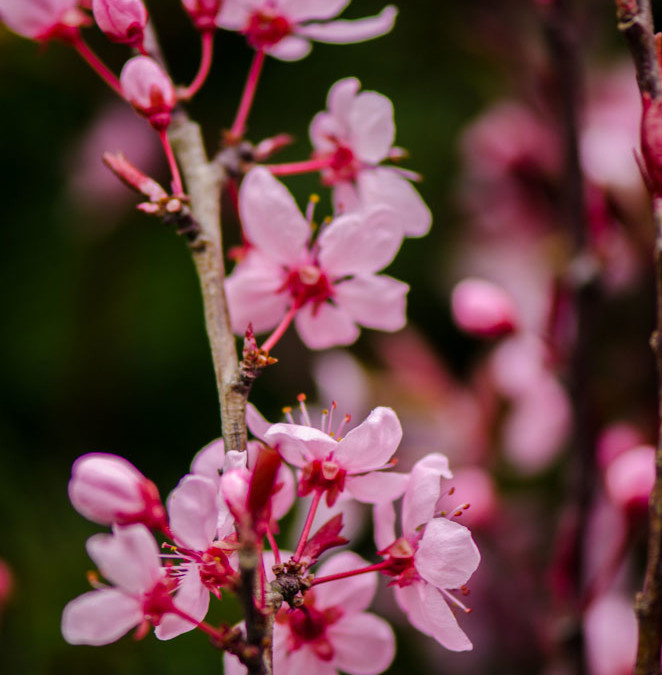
{"points": [[483, 308], [42, 19], [108, 489], [203, 13], [629, 479], [121, 20], [149, 90]]}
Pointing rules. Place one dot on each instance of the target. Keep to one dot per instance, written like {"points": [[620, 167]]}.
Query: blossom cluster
{"points": [[321, 625]]}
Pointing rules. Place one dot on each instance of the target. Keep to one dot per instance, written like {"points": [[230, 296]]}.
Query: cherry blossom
{"points": [[331, 631], [42, 19], [331, 464], [108, 489], [284, 28], [129, 558], [203, 13], [354, 135], [434, 554], [483, 308], [329, 286]]}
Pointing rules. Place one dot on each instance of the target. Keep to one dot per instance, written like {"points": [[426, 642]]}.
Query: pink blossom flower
{"points": [[203, 13], [434, 554], [284, 28], [330, 284], [108, 489], [355, 134], [332, 464], [149, 90], [122, 21], [483, 308], [630, 477], [129, 558], [42, 19], [331, 631]]}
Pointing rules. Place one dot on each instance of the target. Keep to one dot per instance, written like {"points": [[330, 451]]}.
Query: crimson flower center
{"points": [[308, 284], [265, 29], [325, 476]]}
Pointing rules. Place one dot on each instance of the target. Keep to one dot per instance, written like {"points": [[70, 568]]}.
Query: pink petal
{"points": [[129, 557], [303, 661], [377, 487], [353, 594], [372, 444], [340, 97], [234, 14], [100, 617], [483, 308], [346, 198], [384, 524], [423, 491], [343, 32], [363, 644], [325, 326], [360, 243], [271, 219], [256, 424], [325, 130], [193, 512], [208, 462], [282, 501], [290, 48], [233, 666], [447, 555], [254, 294], [234, 488], [301, 10], [372, 126], [385, 186], [298, 444], [630, 477], [375, 301], [33, 19], [193, 598]]}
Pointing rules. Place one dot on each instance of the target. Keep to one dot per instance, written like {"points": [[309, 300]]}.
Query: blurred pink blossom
{"points": [[482, 308], [42, 19], [630, 477]]}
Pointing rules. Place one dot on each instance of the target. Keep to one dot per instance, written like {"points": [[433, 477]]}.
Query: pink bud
{"points": [[121, 20], [108, 489], [203, 13], [42, 19], [483, 308], [149, 90], [629, 479]]}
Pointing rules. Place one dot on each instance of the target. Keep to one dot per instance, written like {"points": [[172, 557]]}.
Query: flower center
{"points": [[400, 555], [265, 29], [307, 626], [215, 569], [308, 284], [326, 476]]}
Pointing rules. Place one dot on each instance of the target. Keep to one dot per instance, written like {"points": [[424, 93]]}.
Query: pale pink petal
{"points": [[343, 32], [386, 186], [447, 555], [372, 126], [256, 424], [340, 97], [384, 524], [271, 219], [298, 444], [423, 491], [325, 130], [375, 301], [301, 10], [630, 477], [325, 326], [290, 48], [193, 512], [208, 462], [353, 594], [372, 444], [376, 487], [360, 243], [193, 598], [234, 488], [253, 294], [363, 644], [282, 501], [129, 557], [100, 617], [303, 661], [234, 14], [483, 308], [428, 612], [346, 198], [233, 666], [33, 19]]}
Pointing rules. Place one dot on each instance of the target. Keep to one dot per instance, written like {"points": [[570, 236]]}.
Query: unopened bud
{"points": [[203, 13], [149, 90], [122, 21]]}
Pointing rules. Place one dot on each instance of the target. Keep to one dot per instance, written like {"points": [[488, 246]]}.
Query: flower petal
{"points": [[301, 10], [129, 557], [208, 462], [360, 243], [375, 301], [325, 326], [100, 617], [271, 218], [423, 491], [193, 510], [372, 444], [383, 516], [372, 126], [234, 14], [447, 555], [354, 594], [290, 48], [193, 598], [256, 424], [363, 644], [377, 487], [340, 97], [344, 32], [298, 444]]}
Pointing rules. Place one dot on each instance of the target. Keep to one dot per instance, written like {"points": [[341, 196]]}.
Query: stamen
{"points": [[455, 601], [341, 426], [313, 201], [334, 405], [304, 410], [459, 510], [323, 420], [287, 411]]}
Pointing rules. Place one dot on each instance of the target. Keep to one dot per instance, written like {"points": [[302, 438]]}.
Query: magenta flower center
{"points": [[400, 555], [308, 284], [265, 29], [344, 166], [325, 476], [215, 569], [307, 626]]}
